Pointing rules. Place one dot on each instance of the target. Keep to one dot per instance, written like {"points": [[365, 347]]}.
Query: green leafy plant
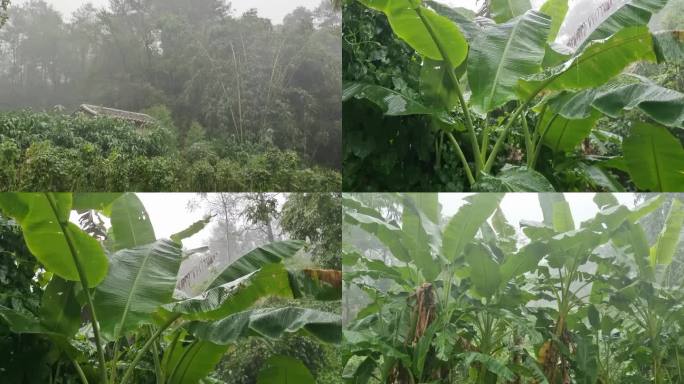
{"points": [[472, 299], [112, 308], [488, 83]]}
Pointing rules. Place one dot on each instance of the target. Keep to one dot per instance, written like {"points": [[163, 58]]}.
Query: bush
{"points": [[49, 152]]}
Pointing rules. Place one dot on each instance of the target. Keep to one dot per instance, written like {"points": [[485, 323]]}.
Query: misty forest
{"points": [[196, 97]]}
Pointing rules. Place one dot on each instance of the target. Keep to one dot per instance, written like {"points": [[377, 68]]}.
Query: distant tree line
{"points": [[222, 76]]}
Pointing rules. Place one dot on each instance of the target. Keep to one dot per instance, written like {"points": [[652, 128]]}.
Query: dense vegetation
{"points": [[439, 98], [247, 89], [48, 152], [99, 303], [473, 299]]}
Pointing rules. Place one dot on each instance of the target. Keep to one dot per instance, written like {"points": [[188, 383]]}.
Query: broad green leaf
{"points": [[654, 158], [435, 85], [191, 230], [131, 225], [271, 323], [21, 323], [462, 17], [514, 179], [573, 105], [141, 280], [599, 62], [547, 201], [669, 47], [631, 238], [632, 13], [594, 317], [389, 234], [42, 218], [463, 227], [484, 271], [235, 296], [562, 217], [423, 29], [94, 201], [667, 242], [564, 135], [503, 10], [284, 370], [257, 258], [419, 237], [663, 105], [604, 200], [188, 363], [502, 54], [391, 103], [59, 309], [428, 204], [523, 261], [556, 10]]}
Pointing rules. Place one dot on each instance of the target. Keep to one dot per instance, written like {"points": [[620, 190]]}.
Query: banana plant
{"points": [[649, 302], [443, 277], [125, 287], [485, 79]]}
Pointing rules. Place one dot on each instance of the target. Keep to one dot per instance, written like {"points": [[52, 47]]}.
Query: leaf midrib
{"points": [[133, 288], [501, 63]]}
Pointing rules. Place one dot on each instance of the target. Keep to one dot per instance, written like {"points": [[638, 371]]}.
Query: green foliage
{"points": [[527, 120], [316, 217], [133, 325], [542, 302], [49, 152]]}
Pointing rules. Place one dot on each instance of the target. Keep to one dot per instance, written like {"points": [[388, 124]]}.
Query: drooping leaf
{"points": [[484, 271], [235, 296], [284, 370], [21, 323], [631, 238], [44, 219], [513, 179], [564, 135], [654, 158], [257, 258], [667, 242], [663, 105], [599, 62], [141, 280], [391, 103], [131, 224], [60, 311], [504, 10], [188, 363], [632, 13], [463, 226], [271, 323], [502, 54], [423, 29]]}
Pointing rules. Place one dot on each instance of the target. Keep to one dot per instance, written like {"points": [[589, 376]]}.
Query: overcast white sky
{"points": [[272, 9], [525, 206]]}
